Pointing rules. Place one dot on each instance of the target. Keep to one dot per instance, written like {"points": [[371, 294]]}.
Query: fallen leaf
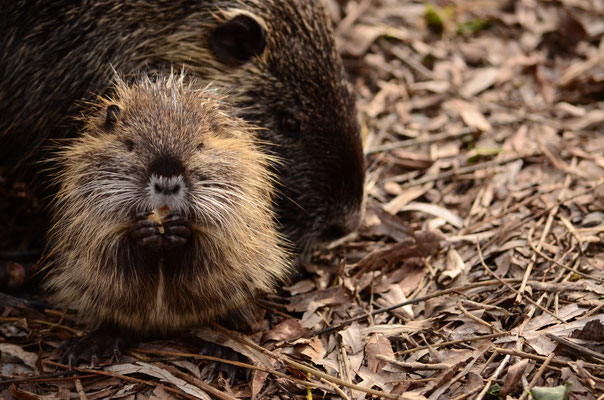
{"points": [[28, 358], [512, 380], [378, 345], [551, 393]]}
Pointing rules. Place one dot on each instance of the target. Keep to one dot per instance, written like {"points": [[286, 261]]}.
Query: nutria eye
{"points": [[290, 126], [129, 145], [200, 146]]}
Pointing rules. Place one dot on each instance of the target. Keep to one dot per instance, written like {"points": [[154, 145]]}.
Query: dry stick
{"points": [[524, 220], [548, 258], [415, 365], [422, 140], [197, 382], [502, 214], [529, 267], [42, 322], [303, 367], [529, 315], [45, 378], [545, 310], [468, 394], [405, 56], [461, 374], [575, 234], [343, 362], [336, 389], [80, 390], [460, 171], [478, 320], [351, 18], [584, 351], [591, 312], [538, 374], [534, 357], [487, 385], [122, 377], [437, 345], [414, 301], [232, 362]]}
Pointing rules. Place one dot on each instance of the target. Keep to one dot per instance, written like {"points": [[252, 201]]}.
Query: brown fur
{"points": [[55, 53], [234, 251]]}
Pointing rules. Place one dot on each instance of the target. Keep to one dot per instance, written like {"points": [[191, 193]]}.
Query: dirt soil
{"points": [[478, 271]]}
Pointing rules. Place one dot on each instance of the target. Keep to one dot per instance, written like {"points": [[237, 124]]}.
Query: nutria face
{"points": [[292, 82], [150, 150]]}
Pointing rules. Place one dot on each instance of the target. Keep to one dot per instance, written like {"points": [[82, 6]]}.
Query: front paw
{"points": [[176, 231], [173, 231], [146, 233]]}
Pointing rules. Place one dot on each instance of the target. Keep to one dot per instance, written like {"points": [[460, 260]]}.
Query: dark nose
{"points": [[334, 232], [343, 225], [167, 186]]}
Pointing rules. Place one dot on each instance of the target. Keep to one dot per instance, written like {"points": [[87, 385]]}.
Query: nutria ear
{"points": [[237, 40], [113, 113]]}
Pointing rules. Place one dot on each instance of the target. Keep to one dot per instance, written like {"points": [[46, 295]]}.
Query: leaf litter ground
{"points": [[478, 270]]}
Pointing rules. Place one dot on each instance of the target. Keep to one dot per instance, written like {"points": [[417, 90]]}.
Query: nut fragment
{"points": [[158, 216]]}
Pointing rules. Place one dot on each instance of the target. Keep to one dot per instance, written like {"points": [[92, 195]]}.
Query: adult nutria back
{"points": [[163, 219], [276, 59]]}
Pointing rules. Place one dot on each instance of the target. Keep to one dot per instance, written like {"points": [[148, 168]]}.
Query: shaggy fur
{"points": [[234, 251], [287, 78]]}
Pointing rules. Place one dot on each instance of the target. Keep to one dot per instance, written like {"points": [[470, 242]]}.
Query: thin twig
{"points": [[80, 390], [538, 374], [300, 366], [548, 258], [460, 171], [478, 320], [558, 363], [421, 140], [487, 385], [120, 376], [413, 301], [545, 310], [584, 351], [452, 342]]}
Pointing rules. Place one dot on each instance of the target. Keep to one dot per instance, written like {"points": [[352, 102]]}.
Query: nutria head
{"points": [[279, 64]]}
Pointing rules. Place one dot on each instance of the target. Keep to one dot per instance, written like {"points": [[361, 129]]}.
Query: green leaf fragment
{"points": [[551, 393]]}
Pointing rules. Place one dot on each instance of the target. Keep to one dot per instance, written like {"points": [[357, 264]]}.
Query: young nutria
{"points": [[163, 218], [275, 58]]}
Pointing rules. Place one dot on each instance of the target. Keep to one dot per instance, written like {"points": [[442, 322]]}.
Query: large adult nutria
{"points": [[163, 218], [275, 58]]}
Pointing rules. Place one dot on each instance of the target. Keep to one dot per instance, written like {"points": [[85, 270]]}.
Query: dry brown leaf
{"points": [[159, 393], [454, 267], [157, 372], [481, 79], [435, 210], [286, 330], [512, 380], [28, 358], [470, 114], [378, 345]]}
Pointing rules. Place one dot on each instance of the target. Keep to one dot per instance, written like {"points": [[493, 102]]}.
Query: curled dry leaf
{"points": [[512, 380], [28, 358], [378, 345]]}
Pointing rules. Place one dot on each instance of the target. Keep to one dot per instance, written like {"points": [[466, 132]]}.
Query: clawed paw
{"points": [[174, 231], [93, 347]]}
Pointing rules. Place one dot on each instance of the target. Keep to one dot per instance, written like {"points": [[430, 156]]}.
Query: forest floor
{"points": [[478, 271]]}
